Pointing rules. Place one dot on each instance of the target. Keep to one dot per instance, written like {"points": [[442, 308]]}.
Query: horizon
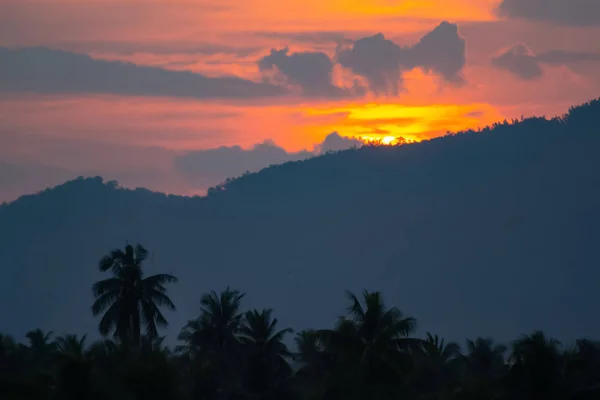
{"points": [[356, 143]]}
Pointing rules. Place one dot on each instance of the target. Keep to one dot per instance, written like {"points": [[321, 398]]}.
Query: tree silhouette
{"points": [[127, 299], [537, 367], [483, 368], [267, 368], [368, 351], [211, 344], [74, 369], [437, 364], [228, 354]]}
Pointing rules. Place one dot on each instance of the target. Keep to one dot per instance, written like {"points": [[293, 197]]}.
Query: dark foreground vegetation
{"points": [[228, 353]]}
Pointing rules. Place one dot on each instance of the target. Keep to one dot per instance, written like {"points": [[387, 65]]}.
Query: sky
{"points": [[176, 96]]}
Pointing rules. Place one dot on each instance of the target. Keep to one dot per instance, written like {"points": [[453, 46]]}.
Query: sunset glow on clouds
{"points": [[233, 73]]}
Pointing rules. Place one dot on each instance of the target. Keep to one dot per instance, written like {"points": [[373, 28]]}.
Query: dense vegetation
{"points": [[228, 353]]}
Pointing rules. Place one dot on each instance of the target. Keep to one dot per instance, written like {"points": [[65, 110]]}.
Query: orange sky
{"points": [[228, 37]]}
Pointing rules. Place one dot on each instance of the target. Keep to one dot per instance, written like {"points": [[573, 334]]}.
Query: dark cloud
{"points": [[377, 59], [39, 69], [441, 51], [520, 61], [207, 168], [571, 12], [129, 48], [335, 142], [312, 71], [382, 61], [524, 63]]}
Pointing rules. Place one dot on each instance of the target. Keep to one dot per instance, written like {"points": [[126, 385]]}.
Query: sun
{"points": [[388, 140], [381, 140]]}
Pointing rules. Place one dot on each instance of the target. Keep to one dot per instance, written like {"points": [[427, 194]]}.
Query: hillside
{"points": [[479, 233]]}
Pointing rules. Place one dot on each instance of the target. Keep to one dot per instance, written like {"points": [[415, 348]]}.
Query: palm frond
{"points": [[141, 254], [104, 301], [149, 319], [107, 285], [280, 335], [109, 320], [159, 299], [355, 308], [156, 281], [112, 261]]}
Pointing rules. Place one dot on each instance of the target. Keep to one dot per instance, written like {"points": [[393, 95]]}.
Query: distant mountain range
{"points": [[494, 232]]}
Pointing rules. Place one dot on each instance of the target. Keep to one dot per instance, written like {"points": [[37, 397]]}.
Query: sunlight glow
{"points": [[385, 123]]}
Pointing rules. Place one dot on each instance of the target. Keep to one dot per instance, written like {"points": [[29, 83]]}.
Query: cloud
{"points": [[312, 71], [316, 37], [160, 48], [561, 57], [43, 70], [29, 163], [519, 60], [382, 61], [335, 142], [442, 51], [563, 12], [207, 168], [523, 62]]}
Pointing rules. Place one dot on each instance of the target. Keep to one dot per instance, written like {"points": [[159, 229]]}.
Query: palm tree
{"points": [[148, 372], [267, 368], [313, 363], [74, 374], [369, 350], [485, 359], [437, 366], [39, 356], [482, 368], [211, 344], [127, 299], [41, 344], [13, 370], [583, 369], [537, 367], [216, 329]]}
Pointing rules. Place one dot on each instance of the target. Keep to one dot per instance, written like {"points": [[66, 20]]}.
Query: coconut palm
{"points": [[483, 367], [74, 369], [313, 362], [127, 300], [38, 356], [267, 368], [13, 370], [211, 344], [368, 350], [216, 329], [437, 366], [147, 372], [484, 359], [583, 369], [537, 367]]}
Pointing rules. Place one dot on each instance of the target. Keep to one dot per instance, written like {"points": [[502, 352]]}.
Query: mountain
{"points": [[493, 232]]}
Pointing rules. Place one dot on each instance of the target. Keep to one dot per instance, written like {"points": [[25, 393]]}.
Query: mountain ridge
{"points": [[477, 233]]}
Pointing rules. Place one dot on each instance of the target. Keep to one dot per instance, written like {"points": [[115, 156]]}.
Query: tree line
{"points": [[228, 354]]}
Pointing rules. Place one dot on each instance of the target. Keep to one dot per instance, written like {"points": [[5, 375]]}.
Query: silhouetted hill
{"points": [[478, 233]]}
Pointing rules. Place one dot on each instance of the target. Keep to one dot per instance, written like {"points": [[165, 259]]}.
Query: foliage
{"points": [[127, 299], [228, 353]]}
